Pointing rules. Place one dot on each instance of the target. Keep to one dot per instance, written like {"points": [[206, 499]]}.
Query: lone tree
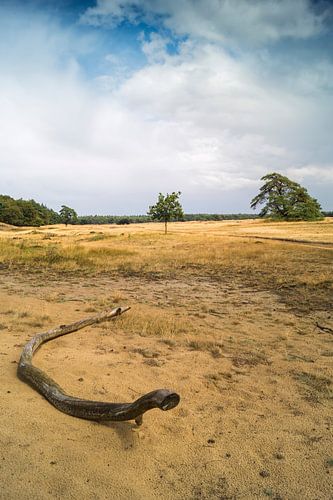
{"points": [[68, 215], [285, 199], [168, 207]]}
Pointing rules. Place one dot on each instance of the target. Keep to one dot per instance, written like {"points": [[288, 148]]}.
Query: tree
{"points": [[26, 212], [285, 199], [167, 207], [123, 220], [68, 215]]}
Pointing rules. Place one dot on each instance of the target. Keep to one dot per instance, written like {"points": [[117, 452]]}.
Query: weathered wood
{"points": [[324, 328], [163, 399]]}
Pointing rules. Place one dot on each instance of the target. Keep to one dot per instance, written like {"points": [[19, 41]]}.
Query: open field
{"points": [[239, 325]]}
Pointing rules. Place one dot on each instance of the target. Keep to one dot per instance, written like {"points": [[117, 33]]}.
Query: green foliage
{"points": [[285, 199], [167, 208], [123, 220], [217, 217], [112, 219], [137, 219], [68, 215], [26, 212]]}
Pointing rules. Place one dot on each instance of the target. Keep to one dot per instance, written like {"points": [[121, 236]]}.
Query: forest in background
{"points": [[31, 213]]}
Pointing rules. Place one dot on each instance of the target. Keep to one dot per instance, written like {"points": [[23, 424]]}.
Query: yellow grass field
{"points": [[235, 316]]}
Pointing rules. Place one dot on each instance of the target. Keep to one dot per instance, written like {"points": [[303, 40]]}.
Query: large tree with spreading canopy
{"points": [[285, 199]]}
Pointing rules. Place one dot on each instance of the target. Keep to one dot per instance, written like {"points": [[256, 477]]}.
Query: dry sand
{"points": [[255, 418]]}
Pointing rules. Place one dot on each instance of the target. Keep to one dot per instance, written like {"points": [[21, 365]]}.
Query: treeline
{"points": [[31, 213], [26, 212], [198, 217], [112, 219], [135, 219]]}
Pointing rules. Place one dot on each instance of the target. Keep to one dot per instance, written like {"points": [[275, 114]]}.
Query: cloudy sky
{"points": [[105, 103]]}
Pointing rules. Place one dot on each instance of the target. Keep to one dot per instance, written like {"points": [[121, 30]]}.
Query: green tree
{"points": [[285, 199], [68, 215], [10, 212], [123, 220], [26, 212], [167, 207]]}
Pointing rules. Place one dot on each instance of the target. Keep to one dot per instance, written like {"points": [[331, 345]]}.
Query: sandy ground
{"points": [[255, 418]]}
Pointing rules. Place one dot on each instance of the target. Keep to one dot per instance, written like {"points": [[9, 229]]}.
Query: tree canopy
{"points": [[26, 212], [167, 208], [68, 215], [137, 219], [285, 199]]}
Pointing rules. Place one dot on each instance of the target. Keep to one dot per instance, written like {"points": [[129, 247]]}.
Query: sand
{"points": [[255, 418]]}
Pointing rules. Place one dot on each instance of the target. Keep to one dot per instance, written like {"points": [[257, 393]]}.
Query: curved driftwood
{"points": [[82, 408]]}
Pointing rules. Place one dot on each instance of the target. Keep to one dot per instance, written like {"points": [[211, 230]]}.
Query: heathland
{"points": [[236, 316]]}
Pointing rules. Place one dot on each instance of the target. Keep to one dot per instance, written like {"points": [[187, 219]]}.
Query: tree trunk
{"points": [[165, 227]]}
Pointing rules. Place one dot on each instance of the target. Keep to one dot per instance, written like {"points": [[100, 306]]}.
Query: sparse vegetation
{"points": [[316, 387], [239, 325], [151, 321], [300, 274]]}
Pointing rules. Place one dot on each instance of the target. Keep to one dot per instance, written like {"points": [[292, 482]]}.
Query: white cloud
{"points": [[322, 174], [200, 121], [253, 21], [155, 48]]}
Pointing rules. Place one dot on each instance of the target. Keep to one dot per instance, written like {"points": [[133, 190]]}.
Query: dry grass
{"points": [[255, 377], [190, 248], [152, 321], [315, 387]]}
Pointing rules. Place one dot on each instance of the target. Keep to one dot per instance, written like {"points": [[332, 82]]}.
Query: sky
{"points": [[106, 103]]}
